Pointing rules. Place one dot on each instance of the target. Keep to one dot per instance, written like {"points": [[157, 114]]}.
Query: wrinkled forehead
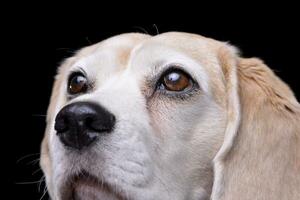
{"points": [[119, 50], [139, 53], [193, 51], [115, 50]]}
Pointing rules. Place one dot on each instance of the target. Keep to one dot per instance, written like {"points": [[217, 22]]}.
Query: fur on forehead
{"points": [[206, 51], [262, 128]]}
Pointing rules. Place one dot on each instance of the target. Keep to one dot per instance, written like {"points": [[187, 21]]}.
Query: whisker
{"points": [[157, 32], [68, 50], [63, 48], [38, 115], [28, 183], [27, 156], [33, 162], [40, 184], [141, 29], [36, 171], [88, 40], [44, 193]]}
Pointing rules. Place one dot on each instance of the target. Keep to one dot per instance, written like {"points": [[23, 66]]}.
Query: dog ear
{"points": [[56, 96], [45, 159], [260, 154]]}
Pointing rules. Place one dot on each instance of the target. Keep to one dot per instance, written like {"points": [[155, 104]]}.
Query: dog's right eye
{"points": [[77, 83]]}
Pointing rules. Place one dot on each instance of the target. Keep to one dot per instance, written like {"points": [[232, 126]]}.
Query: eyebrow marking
{"points": [[123, 55]]}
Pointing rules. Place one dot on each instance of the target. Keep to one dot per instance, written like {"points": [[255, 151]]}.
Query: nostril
{"points": [[97, 125], [88, 121], [100, 124], [61, 124]]}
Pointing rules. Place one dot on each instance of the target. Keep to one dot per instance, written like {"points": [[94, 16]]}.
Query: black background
{"points": [[38, 42]]}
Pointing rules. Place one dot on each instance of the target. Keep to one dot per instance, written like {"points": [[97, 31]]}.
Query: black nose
{"points": [[79, 124]]}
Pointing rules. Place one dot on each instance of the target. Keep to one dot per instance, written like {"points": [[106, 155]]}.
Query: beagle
{"points": [[175, 116]]}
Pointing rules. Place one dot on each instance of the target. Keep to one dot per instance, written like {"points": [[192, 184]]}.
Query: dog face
{"points": [[141, 117], [167, 126]]}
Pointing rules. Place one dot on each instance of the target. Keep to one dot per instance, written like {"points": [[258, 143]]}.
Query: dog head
{"points": [[141, 117]]}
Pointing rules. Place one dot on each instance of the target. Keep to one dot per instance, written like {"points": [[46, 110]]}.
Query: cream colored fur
{"points": [[239, 138]]}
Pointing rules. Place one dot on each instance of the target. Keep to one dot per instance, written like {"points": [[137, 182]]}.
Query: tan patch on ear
{"points": [[264, 161], [227, 61], [45, 161], [267, 85]]}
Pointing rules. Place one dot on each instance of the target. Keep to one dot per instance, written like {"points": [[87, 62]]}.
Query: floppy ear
{"points": [[45, 160], [260, 155]]}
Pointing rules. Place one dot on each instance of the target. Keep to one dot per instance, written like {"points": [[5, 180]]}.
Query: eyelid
{"points": [[169, 68], [77, 70]]}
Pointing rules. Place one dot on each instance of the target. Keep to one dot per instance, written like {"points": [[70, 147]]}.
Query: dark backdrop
{"points": [[38, 45]]}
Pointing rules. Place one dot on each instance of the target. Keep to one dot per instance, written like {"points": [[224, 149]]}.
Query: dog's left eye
{"points": [[77, 83]]}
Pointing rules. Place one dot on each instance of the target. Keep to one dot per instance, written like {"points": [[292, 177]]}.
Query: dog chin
{"points": [[86, 187], [83, 191]]}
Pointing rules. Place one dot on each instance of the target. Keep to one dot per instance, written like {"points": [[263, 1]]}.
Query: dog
{"points": [[173, 116]]}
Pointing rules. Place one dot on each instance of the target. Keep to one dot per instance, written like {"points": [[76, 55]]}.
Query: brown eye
{"points": [[77, 83], [177, 81]]}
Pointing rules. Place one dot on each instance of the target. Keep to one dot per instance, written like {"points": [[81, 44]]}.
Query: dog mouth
{"points": [[88, 187]]}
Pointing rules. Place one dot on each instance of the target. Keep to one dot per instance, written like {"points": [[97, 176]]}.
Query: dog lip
{"points": [[76, 183]]}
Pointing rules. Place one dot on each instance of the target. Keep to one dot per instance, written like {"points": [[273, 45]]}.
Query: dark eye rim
{"points": [[173, 69], [70, 78]]}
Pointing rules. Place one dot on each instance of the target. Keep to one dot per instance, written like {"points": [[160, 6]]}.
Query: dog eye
{"points": [[176, 80], [77, 83]]}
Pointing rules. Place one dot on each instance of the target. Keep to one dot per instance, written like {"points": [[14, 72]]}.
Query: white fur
{"points": [[160, 148]]}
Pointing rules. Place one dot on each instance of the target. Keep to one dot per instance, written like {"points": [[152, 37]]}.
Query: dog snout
{"points": [[80, 124]]}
